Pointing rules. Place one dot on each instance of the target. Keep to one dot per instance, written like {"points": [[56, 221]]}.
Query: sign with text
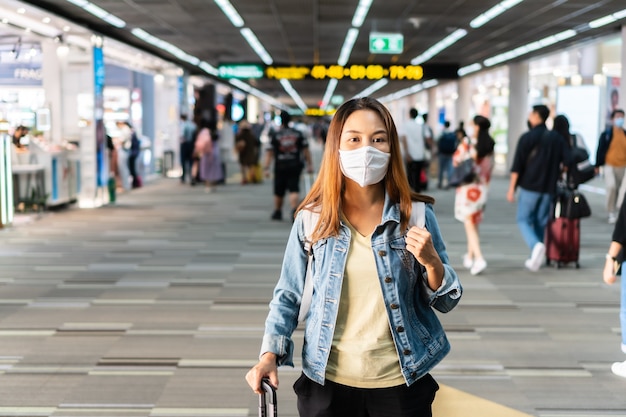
{"points": [[363, 72], [241, 71], [386, 43]]}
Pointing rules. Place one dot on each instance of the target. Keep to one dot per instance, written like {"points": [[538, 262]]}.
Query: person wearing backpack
{"points": [[371, 330], [446, 146]]}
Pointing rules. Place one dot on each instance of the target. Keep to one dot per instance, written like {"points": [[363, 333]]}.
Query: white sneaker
{"points": [[467, 262], [478, 267], [612, 218], [619, 369], [536, 257]]}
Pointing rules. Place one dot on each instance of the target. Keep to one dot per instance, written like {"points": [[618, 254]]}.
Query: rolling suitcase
{"points": [[268, 396], [562, 241]]}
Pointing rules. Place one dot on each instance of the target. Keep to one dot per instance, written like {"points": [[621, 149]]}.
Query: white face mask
{"points": [[365, 166]]}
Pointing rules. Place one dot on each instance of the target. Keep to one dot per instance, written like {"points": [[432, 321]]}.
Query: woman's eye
{"points": [[378, 140]]}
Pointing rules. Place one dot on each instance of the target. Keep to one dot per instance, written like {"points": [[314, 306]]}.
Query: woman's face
{"points": [[364, 128]]}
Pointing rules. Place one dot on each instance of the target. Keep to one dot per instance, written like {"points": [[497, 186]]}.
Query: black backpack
{"points": [[447, 143]]}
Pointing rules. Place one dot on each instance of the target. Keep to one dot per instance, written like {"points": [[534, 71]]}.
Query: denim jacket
{"points": [[419, 338]]}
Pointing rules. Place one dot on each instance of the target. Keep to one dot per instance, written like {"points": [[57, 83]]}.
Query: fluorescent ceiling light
{"points": [[294, 95], [26, 23], [373, 88], [230, 12], [251, 90], [166, 46], [361, 12], [533, 46], [348, 44], [330, 90], [469, 69], [408, 91], [208, 68], [256, 45], [607, 19], [496, 10], [99, 12], [439, 46]]}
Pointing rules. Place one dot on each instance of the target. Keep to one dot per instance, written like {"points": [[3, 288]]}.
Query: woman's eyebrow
{"points": [[377, 132]]}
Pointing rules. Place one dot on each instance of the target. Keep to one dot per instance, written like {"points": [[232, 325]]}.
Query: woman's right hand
{"points": [[608, 275], [266, 367]]}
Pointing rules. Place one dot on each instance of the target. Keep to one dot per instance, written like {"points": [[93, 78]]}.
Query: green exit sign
{"points": [[242, 71], [386, 43]]}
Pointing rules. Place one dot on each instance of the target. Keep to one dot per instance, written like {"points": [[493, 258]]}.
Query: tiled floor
{"points": [[155, 307]]}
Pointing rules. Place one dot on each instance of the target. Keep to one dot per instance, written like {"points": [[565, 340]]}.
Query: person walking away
{"points": [[124, 143], [247, 145], [133, 154], [208, 152], [614, 262], [412, 140], [611, 155], [288, 148], [430, 168], [379, 337], [188, 134], [577, 153], [446, 146], [471, 199], [537, 166]]}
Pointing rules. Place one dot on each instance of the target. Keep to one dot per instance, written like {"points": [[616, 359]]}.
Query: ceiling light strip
{"points": [[330, 90], [253, 41], [294, 95], [469, 69], [408, 91], [492, 13], [23, 22], [361, 13], [607, 19], [531, 47], [166, 46], [230, 13], [439, 46], [251, 90], [373, 88], [99, 13], [348, 44]]}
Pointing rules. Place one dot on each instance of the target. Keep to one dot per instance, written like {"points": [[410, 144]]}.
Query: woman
{"points": [[208, 152], [470, 199], [247, 145], [576, 153], [615, 259], [370, 330]]}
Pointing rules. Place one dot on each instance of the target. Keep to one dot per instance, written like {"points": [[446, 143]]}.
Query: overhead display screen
{"points": [[350, 72]]}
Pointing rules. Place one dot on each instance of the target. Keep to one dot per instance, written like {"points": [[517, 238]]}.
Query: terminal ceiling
{"points": [[308, 32]]}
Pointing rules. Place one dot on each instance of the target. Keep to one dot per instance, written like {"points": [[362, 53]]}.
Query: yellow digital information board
{"points": [[351, 72]]}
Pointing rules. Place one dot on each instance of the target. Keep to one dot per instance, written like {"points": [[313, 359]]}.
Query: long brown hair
{"points": [[325, 194]]}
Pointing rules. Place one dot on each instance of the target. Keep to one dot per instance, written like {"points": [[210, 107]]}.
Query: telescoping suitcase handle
{"points": [[268, 391]]}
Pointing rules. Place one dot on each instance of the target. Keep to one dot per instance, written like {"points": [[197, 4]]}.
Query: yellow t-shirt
{"points": [[616, 154], [363, 353]]}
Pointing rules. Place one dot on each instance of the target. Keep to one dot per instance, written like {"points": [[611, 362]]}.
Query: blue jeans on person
{"points": [[622, 309], [445, 167], [533, 211]]}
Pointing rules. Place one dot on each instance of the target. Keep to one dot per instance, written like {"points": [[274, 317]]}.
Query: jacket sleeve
{"points": [[282, 319], [447, 296], [603, 146]]}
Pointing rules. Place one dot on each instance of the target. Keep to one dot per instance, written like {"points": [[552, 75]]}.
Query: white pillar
{"points": [[518, 107], [589, 63], [463, 101], [52, 84], [622, 93], [433, 110]]}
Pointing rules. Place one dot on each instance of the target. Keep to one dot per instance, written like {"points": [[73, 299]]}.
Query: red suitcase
{"points": [[563, 241]]}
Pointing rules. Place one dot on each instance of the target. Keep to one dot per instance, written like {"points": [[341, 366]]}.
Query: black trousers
{"points": [[336, 400], [414, 173], [186, 152]]}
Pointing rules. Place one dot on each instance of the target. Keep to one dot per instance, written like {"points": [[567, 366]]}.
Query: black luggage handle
{"points": [[268, 390]]}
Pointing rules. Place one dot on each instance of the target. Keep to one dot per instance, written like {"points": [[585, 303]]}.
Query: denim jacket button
{"points": [[382, 253], [400, 329], [394, 306], [388, 280], [406, 352]]}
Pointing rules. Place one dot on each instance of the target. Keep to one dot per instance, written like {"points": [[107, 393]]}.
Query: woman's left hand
{"points": [[419, 242]]}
